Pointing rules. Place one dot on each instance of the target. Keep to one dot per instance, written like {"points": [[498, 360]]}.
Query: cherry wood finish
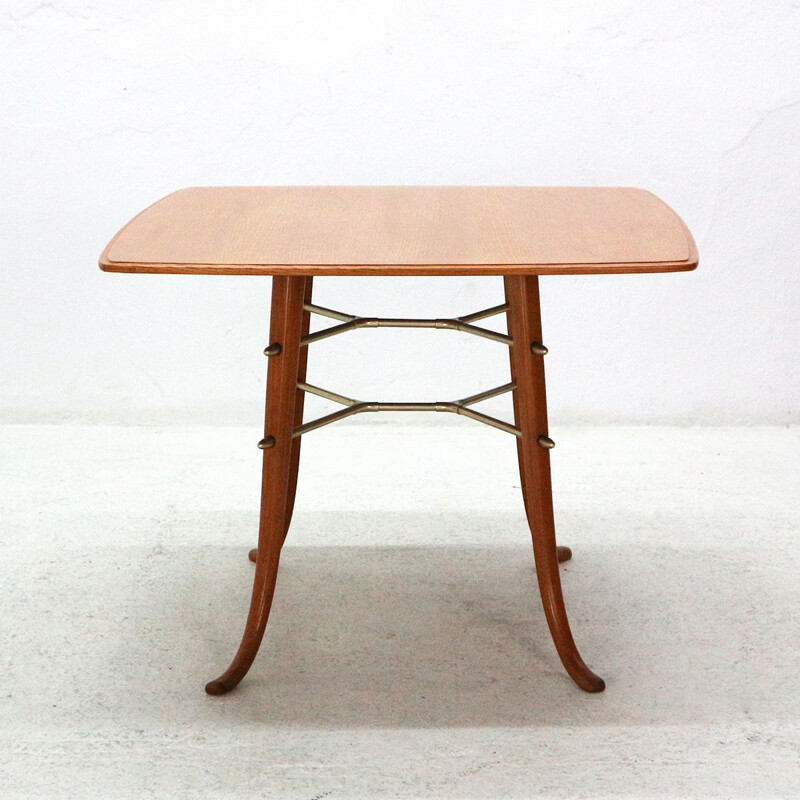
{"points": [[403, 230], [281, 462], [286, 328], [530, 412], [284, 411], [294, 464]]}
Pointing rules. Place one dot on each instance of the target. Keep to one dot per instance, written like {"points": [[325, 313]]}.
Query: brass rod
{"points": [[340, 315], [489, 393], [408, 406], [327, 312], [503, 338], [396, 322], [446, 324], [327, 420], [326, 332], [489, 312], [374, 407], [379, 322], [327, 394], [487, 420]]}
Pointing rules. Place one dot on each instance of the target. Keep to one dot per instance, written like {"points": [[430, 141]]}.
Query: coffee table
{"points": [[294, 233]]}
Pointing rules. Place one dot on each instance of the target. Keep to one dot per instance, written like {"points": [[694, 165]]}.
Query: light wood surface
{"points": [[405, 230]]}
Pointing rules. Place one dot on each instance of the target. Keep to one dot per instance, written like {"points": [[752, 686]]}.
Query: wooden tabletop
{"points": [[403, 230]]}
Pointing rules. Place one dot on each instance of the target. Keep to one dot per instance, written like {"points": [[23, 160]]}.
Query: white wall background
{"points": [[105, 107]]}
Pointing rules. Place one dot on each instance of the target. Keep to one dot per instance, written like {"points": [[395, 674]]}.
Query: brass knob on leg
{"points": [[266, 443], [273, 350], [546, 442], [538, 349]]}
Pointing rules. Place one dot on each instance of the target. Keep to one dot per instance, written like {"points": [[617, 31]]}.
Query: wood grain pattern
{"points": [[299, 402], [287, 321], [530, 414], [412, 230]]}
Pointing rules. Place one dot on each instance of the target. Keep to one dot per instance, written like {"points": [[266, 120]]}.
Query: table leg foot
{"points": [[263, 590], [530, 412]]}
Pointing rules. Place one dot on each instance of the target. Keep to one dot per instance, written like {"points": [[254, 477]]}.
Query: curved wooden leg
{"points": [[294, 466], [286, 326], [530, 412]]}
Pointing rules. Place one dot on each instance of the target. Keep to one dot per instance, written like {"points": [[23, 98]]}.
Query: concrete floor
{"points": [[407, 655]]}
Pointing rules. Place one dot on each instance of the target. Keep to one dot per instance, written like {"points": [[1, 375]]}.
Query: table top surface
{"points": [[403, 230]]}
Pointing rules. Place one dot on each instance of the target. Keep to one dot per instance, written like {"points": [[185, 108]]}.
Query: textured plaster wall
{"points": [[107, 106]]}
